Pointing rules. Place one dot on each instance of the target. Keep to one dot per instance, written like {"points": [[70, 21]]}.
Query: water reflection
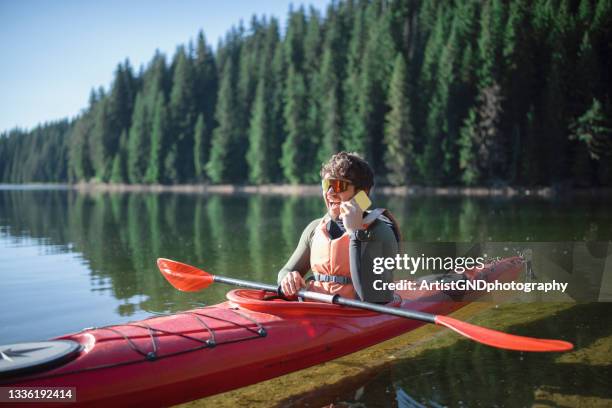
{"points": [[448, 371], [504, 378], [499, 219]]}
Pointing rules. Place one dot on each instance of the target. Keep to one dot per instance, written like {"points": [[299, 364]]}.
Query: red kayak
{"points": [[172, 359]]}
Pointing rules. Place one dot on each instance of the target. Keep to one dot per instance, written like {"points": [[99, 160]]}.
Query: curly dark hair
{"points": [[352, 167]]}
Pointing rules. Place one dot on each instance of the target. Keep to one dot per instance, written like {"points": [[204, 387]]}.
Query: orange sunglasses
{"points": [[338, 186]]}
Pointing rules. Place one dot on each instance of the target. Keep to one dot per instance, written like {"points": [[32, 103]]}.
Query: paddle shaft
{"points": [[333, 299]]}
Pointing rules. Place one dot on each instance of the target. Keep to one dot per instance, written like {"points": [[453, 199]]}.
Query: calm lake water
{"points": [[70, 261]]}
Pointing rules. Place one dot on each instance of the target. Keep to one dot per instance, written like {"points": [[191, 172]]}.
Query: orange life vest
{"points": [[331, 257]]}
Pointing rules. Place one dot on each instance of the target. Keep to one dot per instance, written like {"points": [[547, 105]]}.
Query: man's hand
{"points": [[352, 216], [292, 283]]}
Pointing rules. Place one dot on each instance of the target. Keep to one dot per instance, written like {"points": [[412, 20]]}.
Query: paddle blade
{"points": [[184, 277], [501, 340]]}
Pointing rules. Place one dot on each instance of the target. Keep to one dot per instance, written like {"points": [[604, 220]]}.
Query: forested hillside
{"points": [[463, 92]]}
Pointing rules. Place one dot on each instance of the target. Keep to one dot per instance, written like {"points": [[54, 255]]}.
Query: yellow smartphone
{"points": [[362, 200]]}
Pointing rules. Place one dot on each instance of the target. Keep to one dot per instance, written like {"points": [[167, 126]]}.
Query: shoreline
{"points": [[310, 190]]}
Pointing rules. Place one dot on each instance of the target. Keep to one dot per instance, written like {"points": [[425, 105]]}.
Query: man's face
{"points": [[333, 199]]}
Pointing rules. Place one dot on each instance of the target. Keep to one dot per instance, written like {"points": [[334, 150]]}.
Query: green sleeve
{"points": [[300, 260]]}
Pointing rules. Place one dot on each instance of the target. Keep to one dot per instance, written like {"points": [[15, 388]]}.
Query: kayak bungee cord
{"points": [[148, 356], [188, 278]]}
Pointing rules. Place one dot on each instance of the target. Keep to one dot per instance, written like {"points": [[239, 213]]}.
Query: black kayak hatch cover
{"points": [[21, 358]]}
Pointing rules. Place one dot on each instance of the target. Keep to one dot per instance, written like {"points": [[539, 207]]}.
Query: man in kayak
{"points": [[340, 247]]}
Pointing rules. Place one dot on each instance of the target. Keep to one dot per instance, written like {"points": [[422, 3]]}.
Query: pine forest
{"points": [[432, 93]]}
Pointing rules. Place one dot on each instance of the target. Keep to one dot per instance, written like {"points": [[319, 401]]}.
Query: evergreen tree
{"points": [[155, 81], [205, 68], [377, 65], [602, 17], [120, 104], [299, 111], [585, 13], [296, 127], [224, 136], [519, 82], [294, 39], [315, 94], [201, 146], [332, 126], [276, 136], [555, 157], [171, 164], [399, 134], [588, 74], [331, 106], [182, 112], [101, 146], [250, 65], [431, 57], [594, 128], [490, 42], [79, 164], [119, 170], [312, 42], [437, 161], [468, 152], [258, 152], [159, 142], [480, 154], [112, 116], [330, 89], [138, 149], [490, 141], [351, 86], [206, 100]]}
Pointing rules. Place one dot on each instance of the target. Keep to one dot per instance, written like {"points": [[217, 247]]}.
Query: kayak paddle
{"points": [[188, 278]]}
